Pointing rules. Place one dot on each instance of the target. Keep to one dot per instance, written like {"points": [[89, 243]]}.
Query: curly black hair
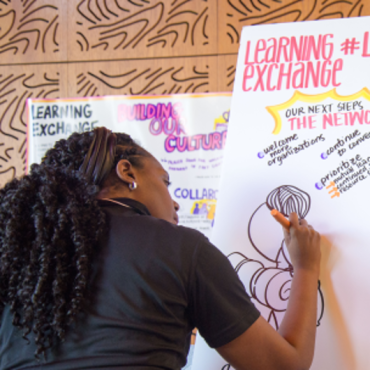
{"points": [[50, 223]]}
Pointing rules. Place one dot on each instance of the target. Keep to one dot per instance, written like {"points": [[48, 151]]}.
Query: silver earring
{"points": [[132, 185]]}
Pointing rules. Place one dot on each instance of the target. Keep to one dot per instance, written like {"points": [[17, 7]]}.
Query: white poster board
{"points": [[299, 140], [185, 132]]}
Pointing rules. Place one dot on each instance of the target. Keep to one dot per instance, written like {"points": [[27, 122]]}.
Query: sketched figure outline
{"points": [[286, 199]]}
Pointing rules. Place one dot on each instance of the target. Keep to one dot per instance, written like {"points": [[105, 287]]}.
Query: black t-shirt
{"points": [[152, 283]]}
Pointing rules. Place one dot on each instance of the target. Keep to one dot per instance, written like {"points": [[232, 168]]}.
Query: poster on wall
{"points": [[185, 132], [299, 140]]}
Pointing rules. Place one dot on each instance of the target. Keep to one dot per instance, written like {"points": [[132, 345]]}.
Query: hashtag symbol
{"points": [[350, 45]]}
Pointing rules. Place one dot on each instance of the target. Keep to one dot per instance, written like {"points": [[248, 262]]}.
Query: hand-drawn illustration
{"points": [[205, 207], [268, 278], [281, 112], [221, 123]]}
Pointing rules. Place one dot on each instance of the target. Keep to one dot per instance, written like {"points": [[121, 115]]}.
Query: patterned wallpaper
{"points": [[55, 48]]}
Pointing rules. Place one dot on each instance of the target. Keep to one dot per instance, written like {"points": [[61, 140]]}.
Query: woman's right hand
{"points": [[292, 347], [303, 244]]}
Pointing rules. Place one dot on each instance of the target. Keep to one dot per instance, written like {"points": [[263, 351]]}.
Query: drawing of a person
{"points": [[203, 210], [267, 278], [211, 212]]}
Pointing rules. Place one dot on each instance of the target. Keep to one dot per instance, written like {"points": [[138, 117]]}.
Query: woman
{"points": [[95, 273]]}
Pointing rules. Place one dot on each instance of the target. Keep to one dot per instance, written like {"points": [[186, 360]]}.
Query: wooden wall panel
{"points": [[119, 29], [138, 77], [226, 68], [32, 31], [234, 14], [111, 47], [18, 83]]}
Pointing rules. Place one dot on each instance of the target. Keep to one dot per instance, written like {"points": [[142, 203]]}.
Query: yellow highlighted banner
{"points": [[305, 98]]}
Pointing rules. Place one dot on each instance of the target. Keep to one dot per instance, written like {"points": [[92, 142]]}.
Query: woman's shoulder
{"points": [[135, 215], [126, 224], [169, 230]]}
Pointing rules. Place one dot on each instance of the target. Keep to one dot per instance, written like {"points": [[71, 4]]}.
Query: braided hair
{"points": [[50, 223]]}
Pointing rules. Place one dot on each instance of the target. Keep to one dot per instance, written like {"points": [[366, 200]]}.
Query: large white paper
{"points": [[299, 141]]}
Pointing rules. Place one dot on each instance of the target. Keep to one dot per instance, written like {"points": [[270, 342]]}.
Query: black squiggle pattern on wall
{"points": [[240, 13], [161, 80], [113, 26], [230, 74], [105, 30], [33, 28], [15, 88]]}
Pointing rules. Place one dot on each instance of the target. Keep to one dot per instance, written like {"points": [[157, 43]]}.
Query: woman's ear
{"points": [[125, 171]]}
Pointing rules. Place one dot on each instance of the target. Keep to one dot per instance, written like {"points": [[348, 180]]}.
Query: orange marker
{"points": [[280, 218]]}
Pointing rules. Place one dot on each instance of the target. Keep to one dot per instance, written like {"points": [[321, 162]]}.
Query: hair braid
{"points": [[50, 223]]}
